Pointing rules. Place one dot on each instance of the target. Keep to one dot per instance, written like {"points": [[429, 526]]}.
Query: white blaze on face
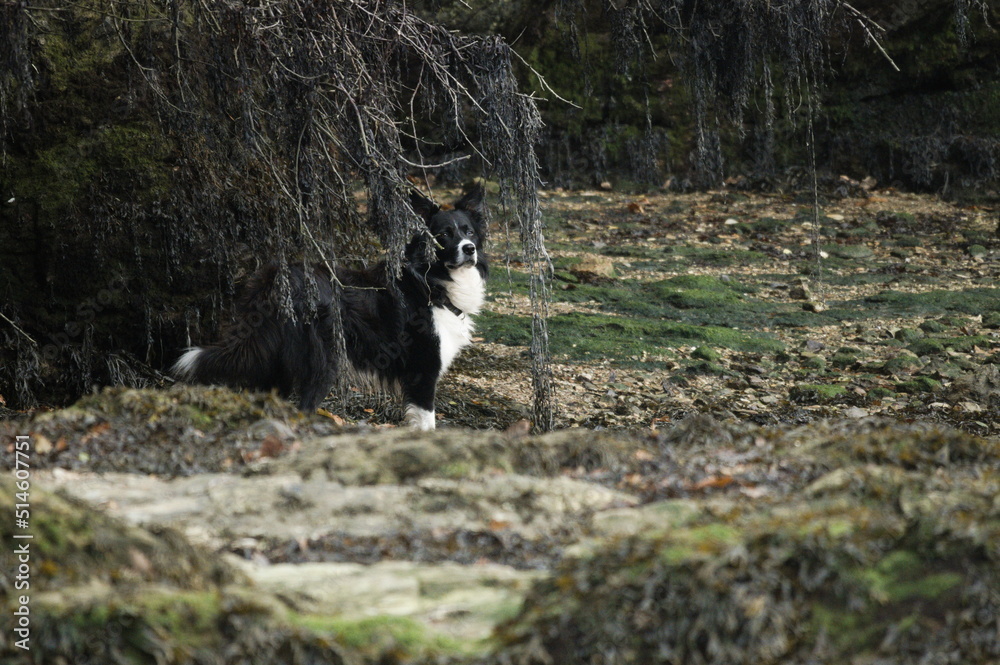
{"points": [[461, 256]]}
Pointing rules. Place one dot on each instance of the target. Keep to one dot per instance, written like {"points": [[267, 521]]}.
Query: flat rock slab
{"points": [[218, 509], [462, 602]]}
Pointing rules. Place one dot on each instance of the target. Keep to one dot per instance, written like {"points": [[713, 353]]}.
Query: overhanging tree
{"points": [[151, 148]]}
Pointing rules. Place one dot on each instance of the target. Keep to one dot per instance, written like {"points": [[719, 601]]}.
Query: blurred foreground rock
{"points": [[847, 542]]}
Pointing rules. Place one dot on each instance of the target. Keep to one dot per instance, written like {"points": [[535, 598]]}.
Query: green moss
{"points": [[927, 347], [698, 543], [765, 226], [903, 575], [707, 368], [400, 638], [850, 252], [816, 393], [966, 343], [907, 335], [708, 256], [190, 618], [815, 363], [880, 392], [921, 384], [705, 353], [623, 339], [966, 301], [842, 359], [901, 364]]}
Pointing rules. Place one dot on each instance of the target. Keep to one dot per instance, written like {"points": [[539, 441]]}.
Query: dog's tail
{"points": [[238, 363]]}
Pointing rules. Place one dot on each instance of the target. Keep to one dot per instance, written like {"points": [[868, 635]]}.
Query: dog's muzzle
{"points": [[465, 254]]}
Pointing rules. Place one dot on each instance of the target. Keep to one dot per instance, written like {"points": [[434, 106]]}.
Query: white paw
{"points": [[419, 419]]}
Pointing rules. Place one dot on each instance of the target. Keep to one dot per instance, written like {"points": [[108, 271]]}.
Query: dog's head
{"points": [[457, 231]]}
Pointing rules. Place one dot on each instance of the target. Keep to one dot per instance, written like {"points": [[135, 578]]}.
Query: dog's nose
{"points": [[469, 249]]}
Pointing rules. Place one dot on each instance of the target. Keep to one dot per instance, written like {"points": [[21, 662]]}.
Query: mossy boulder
{"points": [[809, 393], [904, 363], [705, 353], [103, 591], [921, 384], [908, 335], [932, 326], [927, 347], [178, 431]]}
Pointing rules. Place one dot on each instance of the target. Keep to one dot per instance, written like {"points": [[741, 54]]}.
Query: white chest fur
{"points": [[467, 291]]}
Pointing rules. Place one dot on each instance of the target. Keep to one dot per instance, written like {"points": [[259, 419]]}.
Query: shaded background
{"points": [[154, 154]]}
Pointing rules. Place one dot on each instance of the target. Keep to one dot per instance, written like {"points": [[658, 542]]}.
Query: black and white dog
{"points": [[401, 333]]}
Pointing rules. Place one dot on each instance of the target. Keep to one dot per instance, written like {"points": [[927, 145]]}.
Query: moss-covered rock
{"points": [[705, 353], [904, 363], [921, 384], [891, 554], [810, 393], [178, 431]]}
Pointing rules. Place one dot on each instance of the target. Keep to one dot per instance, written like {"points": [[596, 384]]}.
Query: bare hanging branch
{"points": [[273, 131]]}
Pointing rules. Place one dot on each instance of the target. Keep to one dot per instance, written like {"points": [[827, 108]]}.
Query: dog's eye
{"points": [[467, 230]]}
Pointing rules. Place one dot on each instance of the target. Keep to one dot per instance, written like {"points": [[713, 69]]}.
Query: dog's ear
{"points": [[473, 200], [422, 205]]}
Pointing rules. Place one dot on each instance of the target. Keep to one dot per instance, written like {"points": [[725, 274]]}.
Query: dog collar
{"points": [[451, 308]]}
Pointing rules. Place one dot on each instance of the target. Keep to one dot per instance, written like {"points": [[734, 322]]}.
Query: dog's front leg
{"points": [[418, 395]]}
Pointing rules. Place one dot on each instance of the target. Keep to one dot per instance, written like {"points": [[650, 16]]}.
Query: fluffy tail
{"points": [[186, 367], [282, 357], [265, 350], [240, 364]]}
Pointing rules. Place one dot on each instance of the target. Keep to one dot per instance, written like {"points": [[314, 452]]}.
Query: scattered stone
{"points": [[594, 268], [815, 362], [852, 252], [816, 393], [905, 363], [800, 291], [706, 353], [927, 347], [921, 384], [908, 335], [977, 251], [932, 327], [813, 345], [983, 384]]}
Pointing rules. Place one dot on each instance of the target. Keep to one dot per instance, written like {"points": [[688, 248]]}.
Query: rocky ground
{"points": [[778, 443]]}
